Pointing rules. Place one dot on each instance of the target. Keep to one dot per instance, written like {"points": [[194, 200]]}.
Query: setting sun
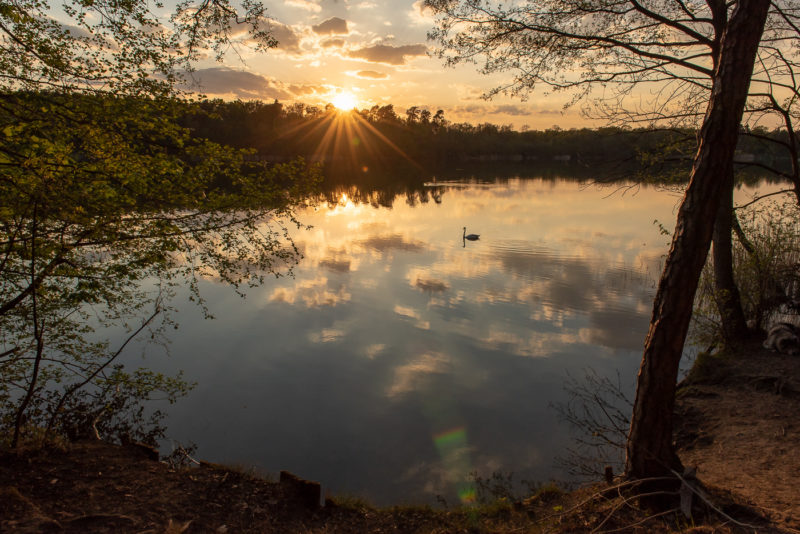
{"points": [[344, 101]]}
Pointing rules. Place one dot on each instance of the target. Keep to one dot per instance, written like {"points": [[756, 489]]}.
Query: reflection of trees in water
{"points": [[382, 188], [385, 197]]}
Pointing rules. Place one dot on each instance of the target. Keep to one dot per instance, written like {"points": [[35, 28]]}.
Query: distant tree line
{"points": [[381, 138]]}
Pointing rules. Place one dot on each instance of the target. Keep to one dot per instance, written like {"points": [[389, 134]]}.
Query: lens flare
{"points": [[454, 449]]}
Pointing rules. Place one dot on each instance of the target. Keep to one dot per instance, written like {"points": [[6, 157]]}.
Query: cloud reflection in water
{"points": [[393, 333], [560, 273]]}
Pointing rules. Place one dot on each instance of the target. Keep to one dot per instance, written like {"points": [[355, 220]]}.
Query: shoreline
{"points": [[735, 423]]}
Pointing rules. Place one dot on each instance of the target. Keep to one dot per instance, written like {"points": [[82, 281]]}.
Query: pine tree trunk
{"points": [[650, 452], [734, 325]]}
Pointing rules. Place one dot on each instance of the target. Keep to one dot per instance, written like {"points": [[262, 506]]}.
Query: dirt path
{"points": [[739, 424]]}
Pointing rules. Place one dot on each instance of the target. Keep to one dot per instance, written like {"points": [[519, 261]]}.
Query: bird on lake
{"points": [[471, 237]]}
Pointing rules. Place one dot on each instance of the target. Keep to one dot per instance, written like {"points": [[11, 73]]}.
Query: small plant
{"points": [[548, 492], [351, 502], [498, 486], [766, 267], [181, 456], [598, 410]]}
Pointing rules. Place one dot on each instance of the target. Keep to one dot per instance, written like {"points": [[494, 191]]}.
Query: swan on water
{"points": [[471, 237]]}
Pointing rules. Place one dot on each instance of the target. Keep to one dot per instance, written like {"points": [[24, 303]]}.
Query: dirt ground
{"points": [[738, 423]]}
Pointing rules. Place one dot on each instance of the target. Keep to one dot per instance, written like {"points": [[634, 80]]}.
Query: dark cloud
{"points": [[333, 25], [337, 266], [332, 42], [77, 32], [385, 243], [304, 90], [431, 285], [504, 109], [287, 38], [510, 109], [471, 109], [372, 74], [393, 55], [241, 84]]}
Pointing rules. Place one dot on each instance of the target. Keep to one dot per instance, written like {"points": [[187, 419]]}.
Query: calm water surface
{"points": [[400, 358]]}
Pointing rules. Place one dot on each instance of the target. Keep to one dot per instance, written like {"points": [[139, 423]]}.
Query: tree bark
{"points": [[650, 452], [729, 304]]}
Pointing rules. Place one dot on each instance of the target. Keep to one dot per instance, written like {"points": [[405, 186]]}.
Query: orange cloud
{"points": [[375, 75], [333, 25], [393, 55], [239, 83], [332, 42]]}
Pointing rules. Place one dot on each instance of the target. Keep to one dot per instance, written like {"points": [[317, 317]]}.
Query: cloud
{"points": [[430, 285], [97, 41], [306, 89], [372, 74], [374, 350], [338, 266], [510, 109], [333, 25], [420, 13], [332, 42], [311, 293], [411, 313], [503, 109], [327, 335], [413, 375], [386, 243], [287, 38], [393, 55], [238, 83], [76, 31], [305, 4], [473, 109]]}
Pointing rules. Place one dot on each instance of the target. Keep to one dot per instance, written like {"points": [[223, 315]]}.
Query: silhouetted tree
{"points": [[577, 45]]}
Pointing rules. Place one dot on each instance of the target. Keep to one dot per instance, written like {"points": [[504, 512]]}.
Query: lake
{"points": [[401, 358]]}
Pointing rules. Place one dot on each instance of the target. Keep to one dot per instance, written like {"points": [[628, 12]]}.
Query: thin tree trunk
{"points": [[38, 335], [740, 235], [727, 293], [734, 325], [650, 452]]}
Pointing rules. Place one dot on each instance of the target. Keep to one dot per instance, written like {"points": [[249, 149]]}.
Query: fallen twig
{"points": [[646, 519], [626, 501], [602, 494], [710, 504]]}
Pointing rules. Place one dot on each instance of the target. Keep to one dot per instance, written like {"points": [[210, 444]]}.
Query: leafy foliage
{"points": [[108, 201], [767, 274]]}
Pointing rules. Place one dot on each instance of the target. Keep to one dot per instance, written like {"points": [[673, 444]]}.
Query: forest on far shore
{"points": [[381, 138]]}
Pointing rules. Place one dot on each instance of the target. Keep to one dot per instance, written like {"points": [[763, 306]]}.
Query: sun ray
{"points": [[359, 122], [340, 136]]}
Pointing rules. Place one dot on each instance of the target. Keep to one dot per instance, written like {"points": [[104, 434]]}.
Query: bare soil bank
{"points": [[739, 424]]}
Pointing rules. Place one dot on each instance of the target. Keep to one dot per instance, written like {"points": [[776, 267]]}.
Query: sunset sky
{"points": [[377, 51]]}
